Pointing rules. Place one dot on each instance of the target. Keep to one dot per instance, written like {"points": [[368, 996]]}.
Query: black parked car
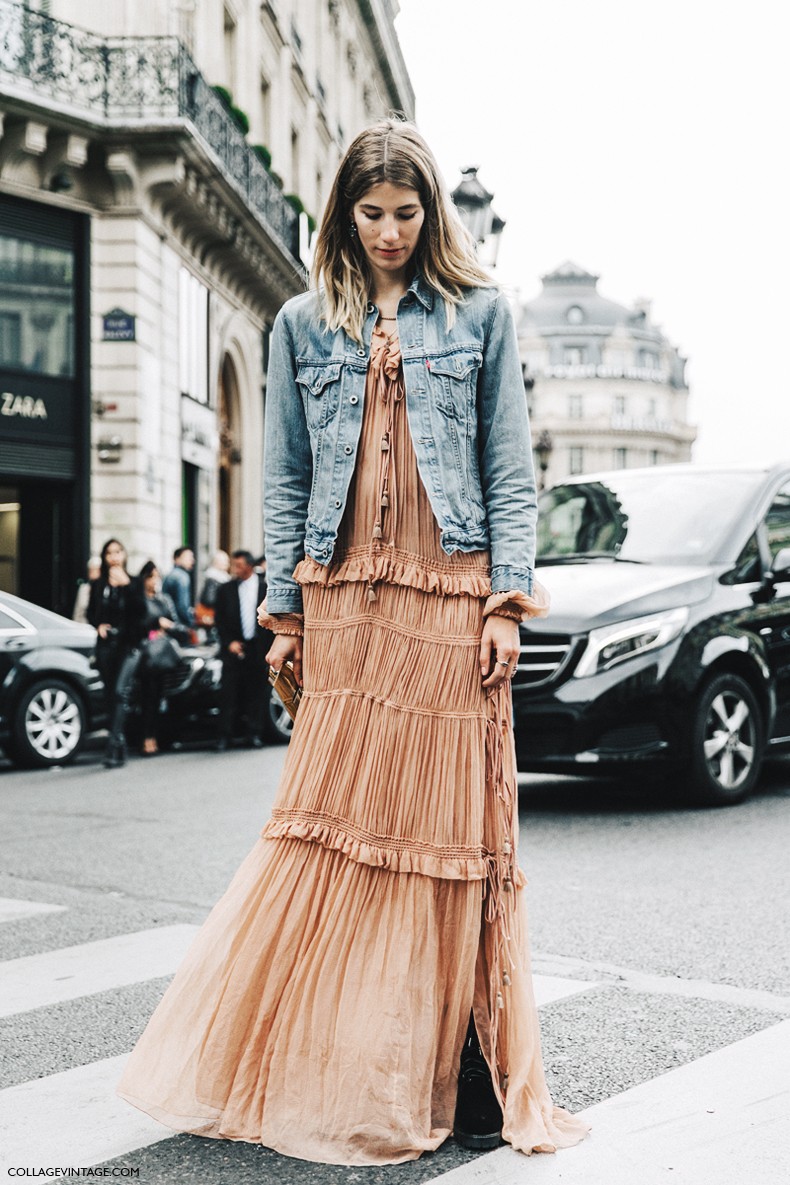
{"points": [[668, 641], [51, 694]]}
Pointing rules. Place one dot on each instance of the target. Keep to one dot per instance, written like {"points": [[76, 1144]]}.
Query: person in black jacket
{"points": [[243, 646], [116, 610]]}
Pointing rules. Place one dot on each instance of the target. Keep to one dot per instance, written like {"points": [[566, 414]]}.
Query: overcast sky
{"points": [[648, 143]]}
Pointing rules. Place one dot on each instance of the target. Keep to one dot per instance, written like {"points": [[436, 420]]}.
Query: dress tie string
{"points": [[389, 388]]}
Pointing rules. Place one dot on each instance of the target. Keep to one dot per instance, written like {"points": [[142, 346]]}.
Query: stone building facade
{"points": [[150, 229], [606, 388]]}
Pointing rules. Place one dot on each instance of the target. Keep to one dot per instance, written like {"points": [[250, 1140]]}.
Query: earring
{"points": [[352, 230]]}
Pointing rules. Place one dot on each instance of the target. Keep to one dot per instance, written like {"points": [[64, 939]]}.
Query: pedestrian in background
{"points": [[243, 646], [80, 611], [116, 610], [363, 987], [159, 622], [178, 584], [217, 574]]}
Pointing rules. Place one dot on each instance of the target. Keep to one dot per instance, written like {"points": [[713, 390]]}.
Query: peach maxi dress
{"points": [[322, 1007]]}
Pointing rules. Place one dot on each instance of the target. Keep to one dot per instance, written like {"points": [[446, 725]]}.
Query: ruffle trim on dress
{"points": [[380, 851], [281, 623], [536, 605], [393, 566]]}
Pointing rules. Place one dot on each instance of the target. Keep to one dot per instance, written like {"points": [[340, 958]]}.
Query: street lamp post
{"points": [[544, 448], [473, 202]]}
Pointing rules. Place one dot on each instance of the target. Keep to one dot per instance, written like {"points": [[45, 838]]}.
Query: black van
{"points": [[668, 641]]}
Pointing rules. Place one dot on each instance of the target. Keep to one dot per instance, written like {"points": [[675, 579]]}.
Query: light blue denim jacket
{"points": [[467, 413]]}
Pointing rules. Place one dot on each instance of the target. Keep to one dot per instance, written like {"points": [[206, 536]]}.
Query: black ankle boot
{"points": [[478, 1116], [114, 754]]}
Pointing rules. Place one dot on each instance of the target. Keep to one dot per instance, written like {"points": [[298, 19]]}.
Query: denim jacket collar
{"points": [[422, 290]]}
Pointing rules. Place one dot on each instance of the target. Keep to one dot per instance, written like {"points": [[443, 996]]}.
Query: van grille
{"points": [[542, 656]]}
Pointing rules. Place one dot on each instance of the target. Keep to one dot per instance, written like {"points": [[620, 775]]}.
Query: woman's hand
{"points": [[103, 629], [499, 645], [283, 648]]}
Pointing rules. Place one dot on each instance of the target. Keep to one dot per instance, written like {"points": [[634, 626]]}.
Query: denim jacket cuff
{"points": [[505, 578], [286, 599]]}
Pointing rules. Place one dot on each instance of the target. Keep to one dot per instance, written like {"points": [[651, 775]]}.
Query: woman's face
{"points": [[152, 584], [115, 555], [389, 219]]}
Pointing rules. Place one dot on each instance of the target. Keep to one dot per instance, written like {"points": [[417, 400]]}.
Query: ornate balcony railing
{"points": [[134, 82]]}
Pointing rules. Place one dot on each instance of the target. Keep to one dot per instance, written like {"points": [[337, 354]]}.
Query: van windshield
{"points": [[651, 518]]}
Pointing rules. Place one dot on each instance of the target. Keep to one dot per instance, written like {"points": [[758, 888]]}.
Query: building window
{"points": [[230, 50], [193, 336], [36, 306], [618, 405], [575, 407], [295, 185], [10, 339], [648, 359], [651, 408], [574, 355], [576, 461], [574, 315], [654, 456], [266, 110], [620, 458]]}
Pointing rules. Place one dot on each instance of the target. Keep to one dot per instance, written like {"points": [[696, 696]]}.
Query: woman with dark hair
{"points": [[115, 610], [363, 988]]}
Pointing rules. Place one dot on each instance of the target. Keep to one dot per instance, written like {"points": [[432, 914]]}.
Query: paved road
{"points": [[659, 940]]}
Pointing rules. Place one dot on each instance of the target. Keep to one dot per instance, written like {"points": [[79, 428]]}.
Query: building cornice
{"points": [[378, 18]]}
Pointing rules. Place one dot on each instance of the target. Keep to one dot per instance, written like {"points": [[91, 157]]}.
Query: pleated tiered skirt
{"points": [[323, 1005]]}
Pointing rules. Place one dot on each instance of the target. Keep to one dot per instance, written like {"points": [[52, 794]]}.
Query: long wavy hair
{"points": [[390, 150]]}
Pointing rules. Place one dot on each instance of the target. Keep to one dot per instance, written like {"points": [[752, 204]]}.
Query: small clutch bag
{"points": [[289, 691]]}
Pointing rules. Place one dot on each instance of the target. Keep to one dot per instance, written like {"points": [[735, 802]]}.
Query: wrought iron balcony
{"points": [[134, 82]]}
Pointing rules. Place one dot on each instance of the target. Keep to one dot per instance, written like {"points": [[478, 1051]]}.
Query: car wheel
{"points": [[726, 742], [278, 724], [49, 724]]}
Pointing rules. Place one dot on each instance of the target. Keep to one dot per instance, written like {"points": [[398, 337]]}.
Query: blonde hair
{"points": [[391, 150]]}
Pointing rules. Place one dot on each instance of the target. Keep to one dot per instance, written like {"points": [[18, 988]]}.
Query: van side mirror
{"points": [[780, 568]]}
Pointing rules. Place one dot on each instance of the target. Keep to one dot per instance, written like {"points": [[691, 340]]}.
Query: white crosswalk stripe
{"points": [[86, 1122], [12, 909], [38, 981]]}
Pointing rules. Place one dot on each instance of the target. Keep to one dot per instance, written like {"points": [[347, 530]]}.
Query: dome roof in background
{"points": [[570, 301]]}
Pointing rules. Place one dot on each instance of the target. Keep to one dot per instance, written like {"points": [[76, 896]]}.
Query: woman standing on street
{"points": [[363, 987], [115, 609], [159, 622]]}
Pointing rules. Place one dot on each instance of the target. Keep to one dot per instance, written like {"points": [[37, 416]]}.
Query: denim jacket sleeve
{"points": [[507, 470], [287, 473]]}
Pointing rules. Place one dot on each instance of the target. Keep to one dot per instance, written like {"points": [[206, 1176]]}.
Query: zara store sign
{"points": [[27, 407]]}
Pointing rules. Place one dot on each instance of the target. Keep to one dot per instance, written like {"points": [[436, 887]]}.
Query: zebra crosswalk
{"points": [[721, 1119]]}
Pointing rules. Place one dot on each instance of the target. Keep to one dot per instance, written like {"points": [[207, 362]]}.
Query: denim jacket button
{"points": [[348, 449], [371, 307], [338, 503], [360, 352], [354, 399]]}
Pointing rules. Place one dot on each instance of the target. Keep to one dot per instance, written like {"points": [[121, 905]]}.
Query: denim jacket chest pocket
{"points": [[320, 385], [453, 382]]}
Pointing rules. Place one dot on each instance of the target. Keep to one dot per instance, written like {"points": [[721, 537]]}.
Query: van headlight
{"points": [[627, 639]]}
